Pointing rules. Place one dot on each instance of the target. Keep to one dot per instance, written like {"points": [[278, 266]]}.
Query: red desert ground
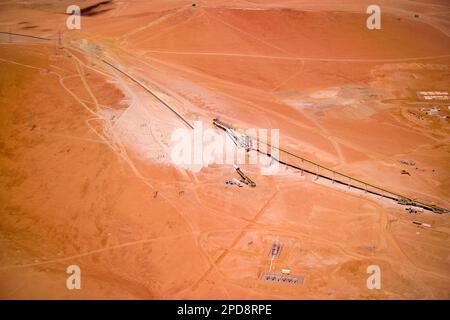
{"points": [[87, 179]]}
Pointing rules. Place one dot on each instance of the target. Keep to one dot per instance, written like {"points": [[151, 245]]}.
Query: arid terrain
{"points": [[86, 176]]}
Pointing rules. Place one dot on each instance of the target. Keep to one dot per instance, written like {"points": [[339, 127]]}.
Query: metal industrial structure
{"points": [[244, 178], [320, 171], [243, 140]]}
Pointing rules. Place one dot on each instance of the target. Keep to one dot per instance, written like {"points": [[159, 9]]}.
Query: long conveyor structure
{"points": [[327, 173], [243, 140]]}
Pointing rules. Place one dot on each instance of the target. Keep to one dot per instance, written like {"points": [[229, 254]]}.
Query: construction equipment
{"points": [[414, 210], [408, 162], [285, 271], [239, 139], [438, 210], [405, 172], [422, 224], [235, 182], [281, 278], [244, 178], [275, 250]]}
